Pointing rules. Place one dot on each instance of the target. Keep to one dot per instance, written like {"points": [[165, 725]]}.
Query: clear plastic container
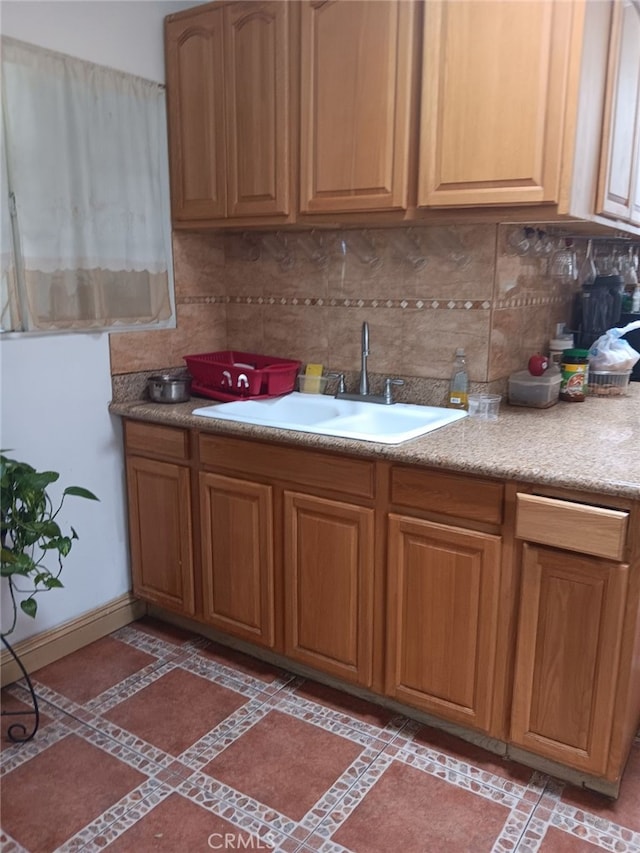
{"points": [[312, 384], [538, 392], [608, 383], [484, 407]]}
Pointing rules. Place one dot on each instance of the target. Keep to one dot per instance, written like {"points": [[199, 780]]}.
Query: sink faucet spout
{"points": [[364, 377]]}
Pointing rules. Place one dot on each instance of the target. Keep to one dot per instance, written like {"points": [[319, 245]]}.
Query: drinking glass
{"points": [[563, 262], [313, 246], [276, 245], [519, 242], [543, 246], [587, 272], [361, 245]]}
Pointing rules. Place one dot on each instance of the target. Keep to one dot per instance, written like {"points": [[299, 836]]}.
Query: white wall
{"points": [[55, 389]]}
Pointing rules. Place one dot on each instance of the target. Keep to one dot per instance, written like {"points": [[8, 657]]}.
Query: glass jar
{"points": [[574, 369]]}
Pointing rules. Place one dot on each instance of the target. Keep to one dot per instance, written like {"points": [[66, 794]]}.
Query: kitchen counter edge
{"points": [[592, 446]]}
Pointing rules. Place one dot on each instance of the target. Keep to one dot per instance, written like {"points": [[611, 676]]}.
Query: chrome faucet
{"points": [[363, 393], [364, 376]]}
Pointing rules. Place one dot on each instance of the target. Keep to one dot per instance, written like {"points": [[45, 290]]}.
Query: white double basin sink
{"points": [[324, 415]]}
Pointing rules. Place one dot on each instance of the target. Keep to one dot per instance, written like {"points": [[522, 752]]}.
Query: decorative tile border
{"points": [[425, 304], [337, 722], [514, 826], [9, 844], [281, 822], [225, 676], [208, 787], [227, 732], [595, 829], [243, 819], [14, 756], [117, 818], [156, 646], [281, 678], [577, 822], [446, 763]]}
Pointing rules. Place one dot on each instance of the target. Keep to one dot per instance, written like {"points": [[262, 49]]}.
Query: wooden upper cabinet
{"points": [[257, 108], [356, 76], [195, 104], [228, 93], [494, 88], [619, 185]]}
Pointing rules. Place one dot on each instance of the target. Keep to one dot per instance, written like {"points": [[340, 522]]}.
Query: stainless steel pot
{"points": [[169, 388]]}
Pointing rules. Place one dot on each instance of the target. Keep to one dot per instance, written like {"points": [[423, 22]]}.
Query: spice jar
{"points": [[574, 369]]}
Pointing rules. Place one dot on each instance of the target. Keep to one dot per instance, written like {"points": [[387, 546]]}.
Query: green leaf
{"points": [[8, 556], [74, 535], [53, 583], [29, 606], [40, 480], [22, 563], [48, 529], [79, 492], [64, 545]]}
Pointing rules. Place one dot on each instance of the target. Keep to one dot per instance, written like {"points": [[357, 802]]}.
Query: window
{"points": [[86, 235]]}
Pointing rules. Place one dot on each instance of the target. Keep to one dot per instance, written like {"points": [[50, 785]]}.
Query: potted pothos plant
{"points": [[34, 545]]}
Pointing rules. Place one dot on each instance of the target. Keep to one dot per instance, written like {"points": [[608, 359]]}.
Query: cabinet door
{"points": [[571, 617], [621, 142], [236, 519], [443, 585], [328, 568], [356, 66], [494, 87], [258, 113], [195, 104], [160, 533]]}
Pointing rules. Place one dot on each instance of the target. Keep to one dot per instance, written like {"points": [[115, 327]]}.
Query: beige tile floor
{"points": [[153, 739]]}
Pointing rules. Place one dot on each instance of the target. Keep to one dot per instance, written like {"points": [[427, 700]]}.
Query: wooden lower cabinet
{"points": [[442, 614], [160, 533], [328, 570], [568, 654], [236, 536], [290, 549]]}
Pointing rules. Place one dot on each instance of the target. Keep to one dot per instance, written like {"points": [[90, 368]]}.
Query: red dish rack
{"points": [[231, 375]]}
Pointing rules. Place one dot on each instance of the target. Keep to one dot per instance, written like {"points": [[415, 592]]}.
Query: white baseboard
{"points": [[49, 646]]}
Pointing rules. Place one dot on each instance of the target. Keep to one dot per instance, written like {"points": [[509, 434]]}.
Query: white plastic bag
{"points": [[611, 353]]}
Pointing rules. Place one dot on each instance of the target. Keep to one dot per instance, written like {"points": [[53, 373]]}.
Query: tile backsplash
{"points": [[444, 287]]}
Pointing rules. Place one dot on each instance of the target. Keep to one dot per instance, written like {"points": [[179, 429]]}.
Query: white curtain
{"points": [[86, 160]]}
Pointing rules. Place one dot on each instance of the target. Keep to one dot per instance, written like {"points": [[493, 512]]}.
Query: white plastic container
{"points": [[538, 392], [557, 345]]}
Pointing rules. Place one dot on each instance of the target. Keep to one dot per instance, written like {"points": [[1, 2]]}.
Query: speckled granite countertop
{"points": [[592, 446]]}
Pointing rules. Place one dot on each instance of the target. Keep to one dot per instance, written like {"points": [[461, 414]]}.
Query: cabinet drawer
{"points": [[448, 494], [155, 440], [576, 527], [354, 477]]}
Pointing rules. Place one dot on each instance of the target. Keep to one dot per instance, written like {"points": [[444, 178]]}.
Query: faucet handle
{"points": [[341, 384], [388, 388]]}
